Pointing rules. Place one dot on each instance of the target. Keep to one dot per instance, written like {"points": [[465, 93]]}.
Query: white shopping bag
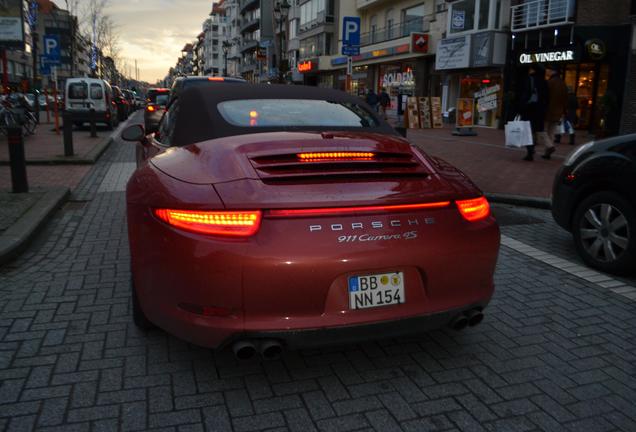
{"points": [[518, 133], [560, 128]]}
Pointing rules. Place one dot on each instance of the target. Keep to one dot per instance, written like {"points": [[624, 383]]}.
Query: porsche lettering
{"points": [[395, 223]]}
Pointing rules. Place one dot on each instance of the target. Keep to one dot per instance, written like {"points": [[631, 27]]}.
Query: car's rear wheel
{"points": [[139, 317], [604, 230]]}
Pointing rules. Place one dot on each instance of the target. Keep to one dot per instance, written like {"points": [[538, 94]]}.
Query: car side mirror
{"points": [[134, 133], [401, 130]]}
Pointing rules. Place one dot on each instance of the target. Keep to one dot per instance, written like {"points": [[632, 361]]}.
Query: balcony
{"points": [[249, 44], [249, 25], [246, 5], [363, 4], [536, 14], [396, 31]]}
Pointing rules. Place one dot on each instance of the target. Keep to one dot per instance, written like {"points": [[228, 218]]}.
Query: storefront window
{"points": [[487, 92], [462, 16]]}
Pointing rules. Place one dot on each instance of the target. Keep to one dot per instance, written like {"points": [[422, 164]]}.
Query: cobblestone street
{"points": [[556, 350]]}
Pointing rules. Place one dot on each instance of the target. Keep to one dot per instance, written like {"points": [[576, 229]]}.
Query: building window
{"points": [[373, 27], [470, 15], [413, 19], [310, 11], [390, 20]]}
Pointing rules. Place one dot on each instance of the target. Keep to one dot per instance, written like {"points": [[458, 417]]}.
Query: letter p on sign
{"points": [[351, 31]]}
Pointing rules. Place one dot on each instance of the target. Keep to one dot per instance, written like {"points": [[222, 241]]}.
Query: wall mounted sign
{"points": [[453, 53], [458, 21], [306, 66], [595, 49], [12, 24], [547, 57], [394, 50], [419, 43], [398, 79]]}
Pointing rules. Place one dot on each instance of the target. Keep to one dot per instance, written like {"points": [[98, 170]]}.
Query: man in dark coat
{"points": [[557, 107], [372, 99], [533, 104]]}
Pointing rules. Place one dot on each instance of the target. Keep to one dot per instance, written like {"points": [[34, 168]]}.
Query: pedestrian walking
{"points": [[557, 107], [385, 102], [533, 105], [372, 99], [571, 119]]}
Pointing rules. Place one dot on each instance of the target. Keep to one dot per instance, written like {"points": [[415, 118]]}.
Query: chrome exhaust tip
{"points": [[243, 350], [270, 349]]}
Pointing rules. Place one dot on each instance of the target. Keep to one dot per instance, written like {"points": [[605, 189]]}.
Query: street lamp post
{"points": [[281, 11], [226, 47]]}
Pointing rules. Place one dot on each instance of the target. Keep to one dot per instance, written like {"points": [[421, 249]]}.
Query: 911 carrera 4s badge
{"points": [[376, 290]]}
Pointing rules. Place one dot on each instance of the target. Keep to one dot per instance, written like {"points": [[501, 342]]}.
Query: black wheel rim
{"points": [[604, 232]]}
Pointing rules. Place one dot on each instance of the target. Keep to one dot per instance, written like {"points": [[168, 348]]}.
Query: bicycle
{"points": [[10, 115]]}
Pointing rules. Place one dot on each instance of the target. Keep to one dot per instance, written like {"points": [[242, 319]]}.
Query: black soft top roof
{"points": [[199, 120]]}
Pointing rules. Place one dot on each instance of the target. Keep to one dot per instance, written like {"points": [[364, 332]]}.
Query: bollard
{"points": [[92, 120], [67, 117], [17, 160]]}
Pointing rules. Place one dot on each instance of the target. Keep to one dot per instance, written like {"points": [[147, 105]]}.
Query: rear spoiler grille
{"points": [[382, 166]]}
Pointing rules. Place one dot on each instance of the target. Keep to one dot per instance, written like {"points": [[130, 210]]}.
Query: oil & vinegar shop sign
{"points": [[565, 55]]}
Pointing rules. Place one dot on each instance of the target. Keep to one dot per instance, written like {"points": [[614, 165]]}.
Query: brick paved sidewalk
{"points": [[492, 166], [46, 145]]}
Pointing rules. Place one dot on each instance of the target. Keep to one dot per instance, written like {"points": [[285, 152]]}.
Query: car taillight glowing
{"points": [[224, 223], [216, 79], [354, 210], [150, 108], [335, 156], [475, 209]]}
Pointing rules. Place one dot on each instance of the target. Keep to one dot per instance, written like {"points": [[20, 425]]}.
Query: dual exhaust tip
{"points": [[467, 319], [269, 349]]}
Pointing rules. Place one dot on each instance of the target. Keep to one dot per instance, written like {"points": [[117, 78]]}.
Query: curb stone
{"points": [[17, 237], [520, 200]]}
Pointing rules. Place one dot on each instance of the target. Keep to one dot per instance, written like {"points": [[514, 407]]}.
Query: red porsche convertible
{"points": [[270, 217]]}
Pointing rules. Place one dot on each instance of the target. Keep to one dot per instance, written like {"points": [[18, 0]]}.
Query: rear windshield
{"points": [[295, 112], [78, 91], [161, 99], [96, 91]]}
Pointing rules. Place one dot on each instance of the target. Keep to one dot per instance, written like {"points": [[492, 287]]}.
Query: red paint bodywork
{"points": [[287, 277]]}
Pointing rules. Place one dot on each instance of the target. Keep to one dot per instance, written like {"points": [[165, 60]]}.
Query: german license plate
{"points": [[375, 290]]}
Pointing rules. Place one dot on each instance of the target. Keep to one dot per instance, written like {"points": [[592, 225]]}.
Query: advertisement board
{"points": [[465, 110]]}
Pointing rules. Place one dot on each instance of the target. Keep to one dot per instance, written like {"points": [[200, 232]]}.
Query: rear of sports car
{"points": [[341, 239]]}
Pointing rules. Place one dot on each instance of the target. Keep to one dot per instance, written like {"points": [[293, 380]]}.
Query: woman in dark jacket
{"points": [[534, 102]]}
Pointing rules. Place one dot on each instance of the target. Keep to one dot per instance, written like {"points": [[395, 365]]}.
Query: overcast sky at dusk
{"points": [[154, 31]]}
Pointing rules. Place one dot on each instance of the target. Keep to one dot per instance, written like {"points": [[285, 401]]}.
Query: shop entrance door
{"points": [[589, 81]]}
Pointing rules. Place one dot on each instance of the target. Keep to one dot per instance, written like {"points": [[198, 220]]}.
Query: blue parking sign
{"points": [[52, 51], [351, 31]]}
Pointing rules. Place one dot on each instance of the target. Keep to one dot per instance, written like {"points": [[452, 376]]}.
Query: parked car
{"points": [[130, 97], [82, 94], [156, 102], [594, 198], [271, 216], [123, 109]]}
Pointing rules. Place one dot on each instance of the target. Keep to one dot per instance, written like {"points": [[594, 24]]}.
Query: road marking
{"points": [[117, 176], [585, 273]]}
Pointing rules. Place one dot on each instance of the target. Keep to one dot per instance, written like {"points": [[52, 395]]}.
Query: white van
{"points": [[82, 94]]}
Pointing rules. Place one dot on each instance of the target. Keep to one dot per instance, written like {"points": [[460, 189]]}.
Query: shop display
{"points": [[436, 112], [412, 117], [425, 112], [465, 116]]}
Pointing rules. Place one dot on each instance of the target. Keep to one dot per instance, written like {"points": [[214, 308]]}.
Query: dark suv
{"points": [[594, 197], [182, 83], [122, 104]]}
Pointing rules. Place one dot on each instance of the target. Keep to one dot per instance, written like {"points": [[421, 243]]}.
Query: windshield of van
{"points": [[96, 91], [78, 91]]}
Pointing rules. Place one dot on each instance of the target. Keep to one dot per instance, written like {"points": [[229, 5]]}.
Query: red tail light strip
{"points": [[475, 209], [349, 210], [335, 156], [224, 223]]}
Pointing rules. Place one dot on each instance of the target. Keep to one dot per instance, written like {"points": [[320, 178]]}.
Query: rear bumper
{"points": [[326, 336], [84, 116]]}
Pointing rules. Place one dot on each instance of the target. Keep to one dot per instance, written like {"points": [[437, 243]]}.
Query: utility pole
{"points": [[33, 21]]}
